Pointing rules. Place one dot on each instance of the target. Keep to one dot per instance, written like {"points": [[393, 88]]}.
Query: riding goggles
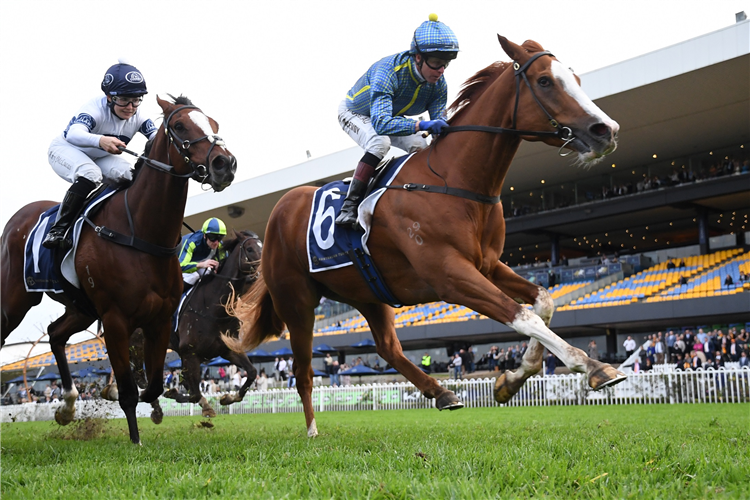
{"points": [[436, 63], [123, 101], [214, 237]]}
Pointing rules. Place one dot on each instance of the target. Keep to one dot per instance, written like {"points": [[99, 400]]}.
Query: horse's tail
{"points": [[257, 316]]}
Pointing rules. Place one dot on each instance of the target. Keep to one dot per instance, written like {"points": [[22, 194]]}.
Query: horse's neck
{"points": [[157, 200], [479, 161]]}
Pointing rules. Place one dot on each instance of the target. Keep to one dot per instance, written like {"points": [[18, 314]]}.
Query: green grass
{"points": [[680, 451]]}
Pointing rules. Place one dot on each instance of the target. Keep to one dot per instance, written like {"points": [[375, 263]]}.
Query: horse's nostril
{"points": [[219, 163], [600, 130]]}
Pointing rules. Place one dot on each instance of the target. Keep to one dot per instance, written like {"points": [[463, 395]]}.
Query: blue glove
{"points": [[435, 127]]}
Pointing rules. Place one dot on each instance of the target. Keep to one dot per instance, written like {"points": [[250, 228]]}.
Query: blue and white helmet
{"points": [[123, 79], [434, 36]]}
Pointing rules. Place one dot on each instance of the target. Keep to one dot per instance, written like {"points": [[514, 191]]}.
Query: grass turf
{"points": [[680, 451]]}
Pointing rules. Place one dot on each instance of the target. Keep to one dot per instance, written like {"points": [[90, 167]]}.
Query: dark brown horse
{"points": [[457, 255], [204, 318], [128, 287]]}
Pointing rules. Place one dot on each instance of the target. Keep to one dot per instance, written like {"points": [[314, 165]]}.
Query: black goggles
{"points": [[214, 237]]}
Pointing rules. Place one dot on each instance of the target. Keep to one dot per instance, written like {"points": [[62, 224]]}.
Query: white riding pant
{"points": [[70, 163], [359, 127]]}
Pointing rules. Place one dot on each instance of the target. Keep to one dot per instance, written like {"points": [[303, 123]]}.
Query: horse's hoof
{"points": [[502, 392], [605, 376], [64, 417], [448, 401], [227, 400], [110, 393], [208, 413], [171, 393], [312, 431], [157, 416]]}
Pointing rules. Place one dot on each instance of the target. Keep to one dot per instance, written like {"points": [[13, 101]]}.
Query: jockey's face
{"points": [[430, 74], [123, 112], [213, 242]]}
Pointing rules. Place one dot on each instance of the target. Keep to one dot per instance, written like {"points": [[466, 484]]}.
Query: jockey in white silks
{"points": [[86, 153]]}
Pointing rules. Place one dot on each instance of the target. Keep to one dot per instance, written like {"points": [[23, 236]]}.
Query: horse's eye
{"points": [[544, 82], [179, 127]]}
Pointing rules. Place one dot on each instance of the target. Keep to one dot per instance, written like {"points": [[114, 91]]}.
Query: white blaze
{"points": [[202, 122], [569, 84]]}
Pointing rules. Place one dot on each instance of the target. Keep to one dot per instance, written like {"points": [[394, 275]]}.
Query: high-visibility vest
{"points": [[426, 360]]}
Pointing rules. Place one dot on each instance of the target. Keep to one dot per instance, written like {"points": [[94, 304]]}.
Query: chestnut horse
{"points": [[128, 287], [461, 230]]}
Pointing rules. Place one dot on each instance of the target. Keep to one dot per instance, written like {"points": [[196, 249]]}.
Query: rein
{"points": [[561, 132], [199, 173]]}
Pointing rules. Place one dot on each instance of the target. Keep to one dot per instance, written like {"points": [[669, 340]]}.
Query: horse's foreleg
{"points": [[463, 284], [520, 289], [59, 332], [380, 317], [117, 337], [155, 342]]}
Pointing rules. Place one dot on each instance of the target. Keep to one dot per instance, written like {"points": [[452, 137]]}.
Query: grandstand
{"points": [[675, 190]]}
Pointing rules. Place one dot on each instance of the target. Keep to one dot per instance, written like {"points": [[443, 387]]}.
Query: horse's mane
{"points": [[181, 100], [475, 86]]}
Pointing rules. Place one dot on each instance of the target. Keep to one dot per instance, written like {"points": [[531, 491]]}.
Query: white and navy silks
{"points": [[76, 152]]}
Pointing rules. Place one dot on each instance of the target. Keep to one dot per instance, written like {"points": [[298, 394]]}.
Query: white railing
{"points": [[668, 387]]}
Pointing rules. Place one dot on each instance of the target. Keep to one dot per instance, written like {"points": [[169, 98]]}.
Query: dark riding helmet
{"points": [[434, 38], [123, 79]]}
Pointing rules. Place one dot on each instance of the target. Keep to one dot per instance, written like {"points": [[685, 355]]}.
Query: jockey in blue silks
{"points": [[407, 83], [202, 250], [87, 153]]}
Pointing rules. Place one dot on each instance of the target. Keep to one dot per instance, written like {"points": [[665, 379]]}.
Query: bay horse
{"points": [[461, 230], [204, 317], [128, 287]]}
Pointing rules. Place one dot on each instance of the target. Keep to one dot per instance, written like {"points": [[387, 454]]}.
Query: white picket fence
{"points": [[665, 387]]}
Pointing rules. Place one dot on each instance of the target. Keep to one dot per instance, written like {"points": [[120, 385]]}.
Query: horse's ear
{"points": [[165, 105], [515, 52]]}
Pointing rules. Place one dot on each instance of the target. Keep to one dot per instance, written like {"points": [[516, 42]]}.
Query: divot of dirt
{"points": [[84, 429]]}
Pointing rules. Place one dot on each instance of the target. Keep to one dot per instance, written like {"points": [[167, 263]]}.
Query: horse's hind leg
{"points": [[520, 289], [59, 332], [380, 317]]}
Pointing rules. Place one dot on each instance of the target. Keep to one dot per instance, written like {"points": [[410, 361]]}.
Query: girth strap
{"points": [[132, 241]]}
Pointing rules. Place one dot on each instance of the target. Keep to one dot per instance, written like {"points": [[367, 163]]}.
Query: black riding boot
{"points": [[362, 175], [69, 210], [348, 214]]}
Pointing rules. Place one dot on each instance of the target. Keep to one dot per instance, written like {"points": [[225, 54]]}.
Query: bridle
{"points": [[562, 132], [199, 172]]}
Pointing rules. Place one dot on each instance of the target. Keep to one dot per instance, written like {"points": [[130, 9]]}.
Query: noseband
{"points": [[199, 171]]}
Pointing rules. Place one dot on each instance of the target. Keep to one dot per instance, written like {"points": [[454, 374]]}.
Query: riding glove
{"points": [[435, 127]]}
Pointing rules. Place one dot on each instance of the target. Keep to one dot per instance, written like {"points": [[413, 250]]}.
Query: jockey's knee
{"points": [[378, 145]]}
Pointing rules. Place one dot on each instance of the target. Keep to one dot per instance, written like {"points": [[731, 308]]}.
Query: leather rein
{"points": [[561, 132], [198, 172]]}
